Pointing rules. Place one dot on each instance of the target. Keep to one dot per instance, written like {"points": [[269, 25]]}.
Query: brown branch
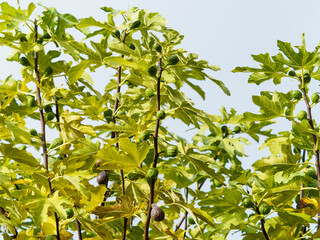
{"points": [[155, 154], [43, 123], [262, 221], [303, 230], [315, 139]]}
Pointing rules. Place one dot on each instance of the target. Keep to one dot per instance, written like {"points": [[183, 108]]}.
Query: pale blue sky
{"points": [[224, 32]]}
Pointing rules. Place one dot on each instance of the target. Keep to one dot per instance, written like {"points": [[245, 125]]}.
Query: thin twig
{"points": [[262, 221], [155, 154], [43, 123]]}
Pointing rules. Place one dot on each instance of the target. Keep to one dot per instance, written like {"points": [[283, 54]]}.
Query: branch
{"points": [[262, 221], [315, 139], [43, 123], [155, 155]]}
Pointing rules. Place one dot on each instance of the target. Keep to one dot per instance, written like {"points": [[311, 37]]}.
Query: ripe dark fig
{"points": [[103, 178], [157, 213]]}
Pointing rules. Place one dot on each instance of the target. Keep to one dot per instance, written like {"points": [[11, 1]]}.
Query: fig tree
{"points": [[248, 203], [24, 61], [108, 115], [302, 115], [264, 208], [47, 108], [152, 173], [40, 40], [173, 60], [135, 24], [296, 94], [133, 176], [224, 129], [153, 71], [306, 77], [312, 173], [103, 178], [172, 151], [149, 92], [144, 136], [157, 213], [70, 212], [315, 98], [292, 73], [161, 114]]}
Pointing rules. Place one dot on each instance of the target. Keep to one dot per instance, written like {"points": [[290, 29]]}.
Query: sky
{"points": [[225, 33]]}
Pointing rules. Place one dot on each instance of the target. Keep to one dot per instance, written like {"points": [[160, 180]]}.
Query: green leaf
{"points": [[20, 156]]}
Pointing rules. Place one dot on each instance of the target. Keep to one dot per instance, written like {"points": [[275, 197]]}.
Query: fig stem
{"points": [[42, 121]]}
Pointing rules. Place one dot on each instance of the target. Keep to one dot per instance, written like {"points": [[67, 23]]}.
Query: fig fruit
{"points": [[292, 73], [312, 173], [153, 71], [31, 101], [135, 24], [144, 136], [33, 132], [296, 94], [224, 129], [173, 60], [48, 71], [46, 36], [70, 212], [302, 115], [157, 213], [133, 176], [158, 48], [22, 147], [161, 114], [315, 98], [103, 178], [264, 208], [306, 77], [248, 203], [172, 151], [133, 47], [191, 221], [47, 108], [152, 173], [108, 115], [237, 129], [40, 40], [23, 39], [24, 61], [217, 183], [149, 92], [50, 116]]}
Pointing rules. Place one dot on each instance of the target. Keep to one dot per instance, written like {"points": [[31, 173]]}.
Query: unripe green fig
{"points": [[133, 47], [153, 71], [191, 221], [24, 61], [172, 151], [312, 173], [103, 178], [70, 212], [144, 136], [161, 114], [108, 115], [292, 73], [135, 24], [50, 116], [130, 85], [152, 173], [23, 39], [248, 203], [217, 183], [133, 176], [224, 129], [315, 98], [158, 48], [264, 208], [306, 77], [149, 92], [22, 147], [48, 71], [46, 36], [31, 101], [237, 129], [47, 108], [116, 33], [296, 94], [302, 115], [33, 132], [173, 60], [157, 214], [40, 40]]}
